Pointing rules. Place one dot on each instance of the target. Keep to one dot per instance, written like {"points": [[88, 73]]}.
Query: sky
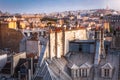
{"points": [[48, 6]]}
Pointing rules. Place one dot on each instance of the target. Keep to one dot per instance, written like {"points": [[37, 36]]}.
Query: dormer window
{"points": [[106, 70], [85, 70], [74, 71], [82, 71]]}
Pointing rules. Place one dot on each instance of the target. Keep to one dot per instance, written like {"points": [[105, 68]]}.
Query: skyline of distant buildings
{"points": [[48, 6]]}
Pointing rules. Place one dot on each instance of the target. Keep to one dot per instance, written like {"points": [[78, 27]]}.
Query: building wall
{"points": [[15, 59], [33, 46], [10, 38], [52, 45], [59, 45], [106, 26], [12, 25], [22, 45], [22, 25], [0, 36], [59, 41], [72, 35], [3, 60]]}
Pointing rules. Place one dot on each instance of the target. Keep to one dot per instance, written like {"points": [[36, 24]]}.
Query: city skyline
{"points": [[48, 6]]}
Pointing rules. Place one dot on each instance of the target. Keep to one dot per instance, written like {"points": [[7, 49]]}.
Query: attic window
{"points": [[80, 48], [106, 70], [83, 73], [74, 71], [85, 70]]}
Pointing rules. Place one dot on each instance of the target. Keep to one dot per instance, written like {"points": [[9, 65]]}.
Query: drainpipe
{"points": [[29, 74], [31, 68]]}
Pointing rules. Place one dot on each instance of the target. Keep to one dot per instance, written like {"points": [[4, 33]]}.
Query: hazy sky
{"points": [[47, 6]]}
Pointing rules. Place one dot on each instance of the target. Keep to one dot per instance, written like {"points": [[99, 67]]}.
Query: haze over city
{"points": [[48, 6]]}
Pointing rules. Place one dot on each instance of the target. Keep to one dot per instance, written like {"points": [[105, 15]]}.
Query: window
{"points": [[80, 48], [25, 34], [83, 73], [74, 71], [74, 47], [84, 70], [86, 48], [39, 33], [106, 72]]}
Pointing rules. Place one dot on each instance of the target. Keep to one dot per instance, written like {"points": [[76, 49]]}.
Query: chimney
{"points": [[29, 74], [97, 35], [102, 44]]}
